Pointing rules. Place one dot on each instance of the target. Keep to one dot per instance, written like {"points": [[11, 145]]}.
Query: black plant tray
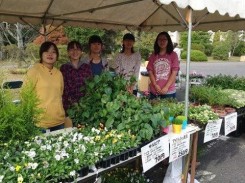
{"points": [[83, 171]]}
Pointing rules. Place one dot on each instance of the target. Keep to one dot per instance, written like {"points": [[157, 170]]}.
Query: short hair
{"points": [[74, 43], [170, 46], [45, 47], [94, 39]]}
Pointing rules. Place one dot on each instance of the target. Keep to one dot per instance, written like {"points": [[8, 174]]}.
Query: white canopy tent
{"points": [[145, 15]]}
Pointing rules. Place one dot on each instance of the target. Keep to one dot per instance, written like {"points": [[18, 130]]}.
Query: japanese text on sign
{"points": [[179, 146], [230, 123], [212, 130], [154, 152]]}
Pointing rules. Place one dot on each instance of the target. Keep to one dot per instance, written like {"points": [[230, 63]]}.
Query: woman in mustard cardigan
{"points": [[48, 84]]}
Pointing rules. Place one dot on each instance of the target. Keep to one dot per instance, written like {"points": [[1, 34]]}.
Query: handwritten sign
{"points": [[212, 130], [179, 146], [230, 123], [154, 152]]}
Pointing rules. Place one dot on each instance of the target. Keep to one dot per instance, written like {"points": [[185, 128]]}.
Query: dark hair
{"points": [[94, 39], [170, 46], [45, 47], [128, 36], [74, 43]]}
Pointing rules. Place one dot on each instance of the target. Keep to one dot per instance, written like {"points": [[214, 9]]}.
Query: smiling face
{"points": [[74, 53], [49, 57]]}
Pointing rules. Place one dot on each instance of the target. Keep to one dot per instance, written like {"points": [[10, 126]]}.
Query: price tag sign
{"points": [[179, 146], [212, 130], [230, 123], [154, 152]]}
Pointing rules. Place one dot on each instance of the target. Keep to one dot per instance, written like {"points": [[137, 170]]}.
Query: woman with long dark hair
{"points": [[128, 61], [163, 67]]}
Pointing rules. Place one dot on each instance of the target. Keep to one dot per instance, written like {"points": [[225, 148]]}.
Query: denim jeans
{"points": [[153, 96]]}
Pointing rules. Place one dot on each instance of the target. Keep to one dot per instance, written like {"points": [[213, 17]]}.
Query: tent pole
{"points": [[189, 20]]}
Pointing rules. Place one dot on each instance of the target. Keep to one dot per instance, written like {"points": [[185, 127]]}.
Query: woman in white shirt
{"points": [[128, 61]]}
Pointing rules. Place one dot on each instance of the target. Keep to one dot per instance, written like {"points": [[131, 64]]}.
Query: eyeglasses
{"points": [[160, 40]]}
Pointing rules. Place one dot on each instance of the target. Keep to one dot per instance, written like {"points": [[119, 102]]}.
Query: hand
{"points": [[130, 89], [158, 89], [164, 90]]}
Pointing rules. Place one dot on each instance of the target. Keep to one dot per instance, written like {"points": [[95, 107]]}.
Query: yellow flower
{"points": [[97, 138], [107, 136], [114, 141], [17, 168], [133, 136]]}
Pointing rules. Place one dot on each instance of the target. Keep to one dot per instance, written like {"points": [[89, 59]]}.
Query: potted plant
{"points": [[184, 121], [177, 124]]}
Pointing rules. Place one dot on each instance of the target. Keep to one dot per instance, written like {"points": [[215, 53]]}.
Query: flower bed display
{"points": [[62, 156]]}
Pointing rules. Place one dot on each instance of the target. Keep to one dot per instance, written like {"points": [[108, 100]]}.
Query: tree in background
{"points": [[82, 35], [200, 38], [54, 34]]}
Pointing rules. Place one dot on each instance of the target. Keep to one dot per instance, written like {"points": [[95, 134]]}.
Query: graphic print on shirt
{"points": [[162, 68]]}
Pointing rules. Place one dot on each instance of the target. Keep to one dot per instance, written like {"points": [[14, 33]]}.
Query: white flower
{"points": [[72, 173], [43, 148], [64, 154], [30, 153], [96, 153], [80, 136], [6, 155], [45, 164], [86, 139], [93, 129], [49, 147], [105, 129], [57, 157], [20, 178], [83, 148], [1, 178], [66, 144], [76, 161], [12, 168], [34, 166]]}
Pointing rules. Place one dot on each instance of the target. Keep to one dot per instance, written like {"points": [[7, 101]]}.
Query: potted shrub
{"points": [[177, 124]]}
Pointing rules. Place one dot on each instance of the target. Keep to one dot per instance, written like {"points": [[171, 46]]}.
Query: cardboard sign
{"points": [[179, 146], [154, 152], [230, 123], [212, 130]]}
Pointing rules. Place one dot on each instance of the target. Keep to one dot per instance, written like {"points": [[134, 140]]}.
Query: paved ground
{"points": [[215, 68], [222, 161]]}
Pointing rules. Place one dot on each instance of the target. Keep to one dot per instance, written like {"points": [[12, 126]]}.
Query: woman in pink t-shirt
{"points": [[163, 67]]}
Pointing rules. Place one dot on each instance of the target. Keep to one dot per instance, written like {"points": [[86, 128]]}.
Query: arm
{"points": [[153, 81], [171, 80]]}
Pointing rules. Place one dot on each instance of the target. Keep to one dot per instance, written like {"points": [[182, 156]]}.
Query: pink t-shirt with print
{"points": [[162, 67]]}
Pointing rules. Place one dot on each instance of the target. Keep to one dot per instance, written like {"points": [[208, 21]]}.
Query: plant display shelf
{"points": [[93, 175]]}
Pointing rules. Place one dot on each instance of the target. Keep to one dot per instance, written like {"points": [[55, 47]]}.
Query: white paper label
{"points": [[230, 123], [179, 146], [212, 130], [154, 152]]}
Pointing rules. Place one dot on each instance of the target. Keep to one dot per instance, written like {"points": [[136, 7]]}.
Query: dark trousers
{"points": [[153, 96]]}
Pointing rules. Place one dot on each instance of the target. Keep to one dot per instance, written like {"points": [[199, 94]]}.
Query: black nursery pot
{"points": [[115, 159], [132, 152], [83, 171], [105, 163], [124, 156]]}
